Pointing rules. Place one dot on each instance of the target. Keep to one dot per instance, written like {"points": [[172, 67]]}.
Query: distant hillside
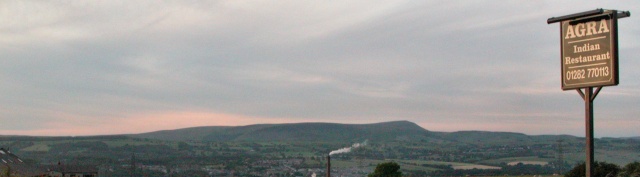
{"points": [[635, 138], [474, 137], [398, 130], [501, 138], [186, 134], [333, 132]]}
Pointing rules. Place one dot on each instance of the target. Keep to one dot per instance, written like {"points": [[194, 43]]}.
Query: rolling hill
{"points": [[398, 130], [502, 138], [333, 132]]}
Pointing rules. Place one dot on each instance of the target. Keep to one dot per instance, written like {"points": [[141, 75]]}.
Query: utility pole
{"points": [[133, 164], [560, 162]]}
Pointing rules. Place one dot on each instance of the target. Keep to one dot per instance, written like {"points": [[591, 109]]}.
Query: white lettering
{"points": [[569, 32], [579, 30], [585, 48], [586, 29], [603, 27], [591, 28]]}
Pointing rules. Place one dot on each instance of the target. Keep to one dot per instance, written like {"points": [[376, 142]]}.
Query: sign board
{"points": [[589, 51]]}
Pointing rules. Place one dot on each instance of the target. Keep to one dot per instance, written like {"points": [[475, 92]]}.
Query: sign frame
{"points": [[579, 70]]}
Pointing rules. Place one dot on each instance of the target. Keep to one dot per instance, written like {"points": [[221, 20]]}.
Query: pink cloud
{"points": [[72, 125]]}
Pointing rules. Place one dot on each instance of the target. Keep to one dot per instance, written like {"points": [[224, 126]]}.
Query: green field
{"points": [[413, 165], [517, 159], [39, 147]]}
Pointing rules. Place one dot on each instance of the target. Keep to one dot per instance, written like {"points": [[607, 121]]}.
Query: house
{"points": [[61, 170], [11, 165]]}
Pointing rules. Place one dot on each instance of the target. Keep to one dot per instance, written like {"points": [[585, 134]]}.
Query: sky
{"points": [[75, 68]]}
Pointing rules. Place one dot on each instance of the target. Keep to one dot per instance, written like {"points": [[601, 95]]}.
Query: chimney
{"points": [[329, 166]]}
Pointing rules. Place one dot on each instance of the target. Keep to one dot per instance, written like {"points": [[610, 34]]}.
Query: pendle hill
{"points": [[319, 132], [333, 132]]}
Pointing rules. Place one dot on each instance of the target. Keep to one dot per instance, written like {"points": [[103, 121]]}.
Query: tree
{"points": [[631, 170], [183, 146], [387, 169], [601, 169], [5, 171]]}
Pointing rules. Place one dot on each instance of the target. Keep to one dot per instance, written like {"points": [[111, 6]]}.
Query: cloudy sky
{"points": [[113, 67]]}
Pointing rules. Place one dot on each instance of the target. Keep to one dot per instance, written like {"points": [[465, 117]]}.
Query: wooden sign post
{"points": [[589, 58]]}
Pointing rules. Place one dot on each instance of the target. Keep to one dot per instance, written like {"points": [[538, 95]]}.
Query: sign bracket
{"points": [[593, 96], [581, 94]]}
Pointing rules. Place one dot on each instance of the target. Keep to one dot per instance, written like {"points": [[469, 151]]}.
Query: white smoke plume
{"points": [[348, 149]]}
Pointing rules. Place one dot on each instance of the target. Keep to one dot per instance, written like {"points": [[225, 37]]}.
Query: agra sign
{"points": [[590, 51], [589, 44]]}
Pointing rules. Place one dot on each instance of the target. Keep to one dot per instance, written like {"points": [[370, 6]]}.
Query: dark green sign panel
{"points": [[589, 52]]}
